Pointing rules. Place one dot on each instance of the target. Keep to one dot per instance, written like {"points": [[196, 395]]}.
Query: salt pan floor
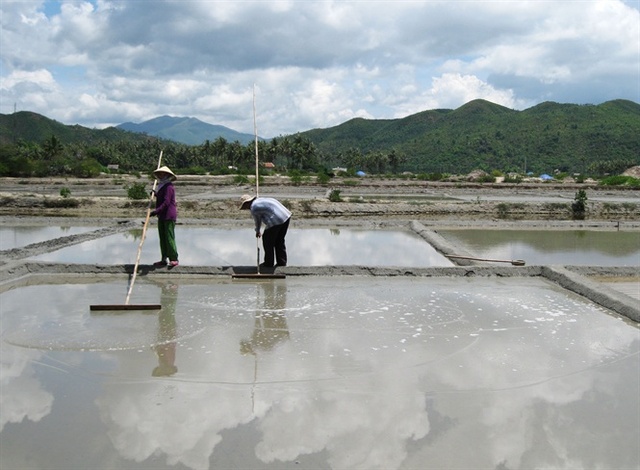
{"points": [[218, 247], [317, 372], [557, 247]]}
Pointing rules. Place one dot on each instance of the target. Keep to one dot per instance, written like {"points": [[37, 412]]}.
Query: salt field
{"points": [[574, 247], [306, 247], [318, 372], [375, 351]]}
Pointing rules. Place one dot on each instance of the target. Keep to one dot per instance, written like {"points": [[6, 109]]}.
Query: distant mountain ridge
{"points": [[481, 134], [478, 134], [186, 130]]}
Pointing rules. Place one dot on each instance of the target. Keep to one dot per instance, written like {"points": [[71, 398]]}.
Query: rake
{"points": [[127, 305]]}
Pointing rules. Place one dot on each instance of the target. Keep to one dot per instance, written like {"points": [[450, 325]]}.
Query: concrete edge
{"points": [[598, 293], [441, 244]]}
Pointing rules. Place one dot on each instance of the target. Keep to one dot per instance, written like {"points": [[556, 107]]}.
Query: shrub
{"points": [[323, 178], [87, 168], [579, 205], [486, 179], [65, 192], [295, 177], [137, 191], [334, 195]]}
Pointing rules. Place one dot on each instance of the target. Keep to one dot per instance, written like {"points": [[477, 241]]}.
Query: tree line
{"points": [[84, 160]]}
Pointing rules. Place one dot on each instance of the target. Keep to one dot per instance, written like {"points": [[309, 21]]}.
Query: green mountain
{"points": [[477, 135], [190, 131], [485, 135], [32, 127]]}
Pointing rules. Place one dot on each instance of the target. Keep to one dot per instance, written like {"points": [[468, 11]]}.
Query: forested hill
{"points": [[31, 127], [485, 135], [478, 135]]}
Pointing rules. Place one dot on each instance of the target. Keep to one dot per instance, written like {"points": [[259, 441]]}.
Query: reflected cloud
{"points": [[23, 396], [233, 247], [371, 374]]}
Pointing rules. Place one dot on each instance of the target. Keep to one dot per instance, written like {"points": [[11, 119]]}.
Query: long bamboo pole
{"points": [[144, 234], [259, 275], [255, 134]]}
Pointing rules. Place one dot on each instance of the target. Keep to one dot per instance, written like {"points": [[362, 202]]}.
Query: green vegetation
{"points": [[334, 195], [620, 181], [295, 176], [482, 135], [553, 138], [137, 191], [323, 178], [65, 192], [579, 205]]}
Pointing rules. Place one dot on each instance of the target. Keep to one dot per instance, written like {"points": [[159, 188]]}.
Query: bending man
{"points": [[275, 217]]}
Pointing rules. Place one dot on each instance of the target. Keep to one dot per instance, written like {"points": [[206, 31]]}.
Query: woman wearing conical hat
{"points": [[167, 212]]}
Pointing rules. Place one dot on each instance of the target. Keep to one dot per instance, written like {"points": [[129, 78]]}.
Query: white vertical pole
{"points": [[255, 131]]}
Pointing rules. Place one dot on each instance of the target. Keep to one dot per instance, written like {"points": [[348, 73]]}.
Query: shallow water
{"points": [[341, 372], [565, 247], [234, 247], [18, 237]]}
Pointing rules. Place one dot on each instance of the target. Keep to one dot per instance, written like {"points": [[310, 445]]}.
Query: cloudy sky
{"points": [[310, 64]]}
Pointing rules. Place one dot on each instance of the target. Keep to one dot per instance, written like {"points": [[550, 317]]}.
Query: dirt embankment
{"points": [[216, 197]]}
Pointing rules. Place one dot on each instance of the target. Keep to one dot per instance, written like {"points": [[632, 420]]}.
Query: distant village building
{"points": [[268, 165], [113, 166]]}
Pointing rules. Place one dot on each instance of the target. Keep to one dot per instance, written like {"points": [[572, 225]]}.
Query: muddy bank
{"points": [[216, 197]]}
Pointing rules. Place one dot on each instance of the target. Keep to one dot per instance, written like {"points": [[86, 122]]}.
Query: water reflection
{"points": [[167, 332], [567, 247], [235, 247], [23, 396], [270, 326], [339, 373]]}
